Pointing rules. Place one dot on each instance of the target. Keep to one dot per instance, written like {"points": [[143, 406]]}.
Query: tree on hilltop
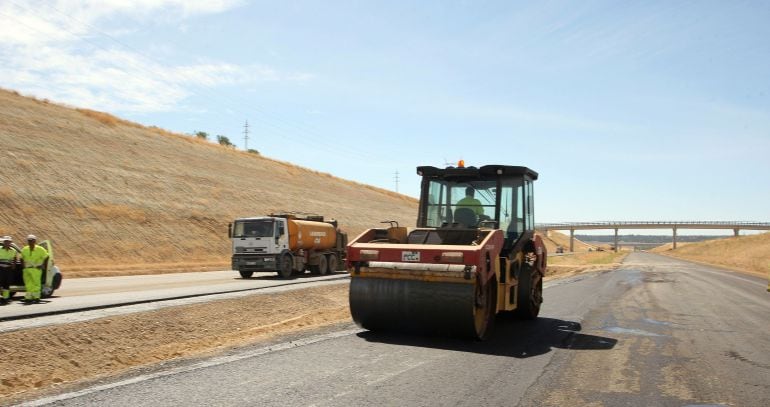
{"points": [[202, 135], [222, 140]]}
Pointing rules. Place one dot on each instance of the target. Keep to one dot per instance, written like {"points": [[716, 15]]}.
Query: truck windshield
{"points": [[253, 228]]}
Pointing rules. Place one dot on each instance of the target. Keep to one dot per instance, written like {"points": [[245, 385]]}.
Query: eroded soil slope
{"points": [[115, 194]]}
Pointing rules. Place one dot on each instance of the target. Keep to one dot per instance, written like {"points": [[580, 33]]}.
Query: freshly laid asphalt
{"points": [[655, 332]]}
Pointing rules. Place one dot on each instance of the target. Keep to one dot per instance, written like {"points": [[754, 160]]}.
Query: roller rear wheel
{"points": [[529, 293]]}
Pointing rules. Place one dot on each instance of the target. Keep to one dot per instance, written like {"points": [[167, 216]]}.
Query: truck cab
{"points": [[287, 243], [257, 243]]}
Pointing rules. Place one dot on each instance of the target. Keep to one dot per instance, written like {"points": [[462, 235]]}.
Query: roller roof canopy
{"points": [[487, 171]]}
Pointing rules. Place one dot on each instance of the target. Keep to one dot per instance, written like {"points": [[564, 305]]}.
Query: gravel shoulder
{"points": [[54, 357]]}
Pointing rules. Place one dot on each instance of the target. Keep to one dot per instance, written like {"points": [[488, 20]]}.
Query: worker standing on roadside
{"points": [[8, 257], [35, 259]]}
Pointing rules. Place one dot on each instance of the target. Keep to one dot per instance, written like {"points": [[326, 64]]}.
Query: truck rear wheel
{"points": [[286, 266], [332, 262], [246, 274], [323, 267]]}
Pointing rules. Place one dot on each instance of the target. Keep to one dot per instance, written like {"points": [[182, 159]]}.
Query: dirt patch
{"points": [[563, 266]]}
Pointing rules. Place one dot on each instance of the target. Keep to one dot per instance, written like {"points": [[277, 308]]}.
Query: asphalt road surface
{"points": [[656, 332]]}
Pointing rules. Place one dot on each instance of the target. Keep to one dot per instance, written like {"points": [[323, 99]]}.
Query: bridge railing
{"points": [[653, 224]]}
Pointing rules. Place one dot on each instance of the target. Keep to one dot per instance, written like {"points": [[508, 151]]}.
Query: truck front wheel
{"points": [[286, 267], [246, 274]]}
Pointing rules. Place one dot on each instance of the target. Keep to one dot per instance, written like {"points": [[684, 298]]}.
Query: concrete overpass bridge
{"points": [[736, 227]]}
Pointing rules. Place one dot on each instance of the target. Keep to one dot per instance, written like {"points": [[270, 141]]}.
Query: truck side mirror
{"points": [[230, 230]]}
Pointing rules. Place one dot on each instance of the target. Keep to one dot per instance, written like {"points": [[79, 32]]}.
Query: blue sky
{"points": [[628, 110]]}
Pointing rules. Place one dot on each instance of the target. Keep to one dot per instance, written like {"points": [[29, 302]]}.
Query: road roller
{"points": [[472, 256]]}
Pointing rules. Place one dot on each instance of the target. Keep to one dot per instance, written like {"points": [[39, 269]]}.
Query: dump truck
{"points": [[287, 243], [465, 262]]}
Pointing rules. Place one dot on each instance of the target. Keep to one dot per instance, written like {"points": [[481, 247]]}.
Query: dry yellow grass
{"points": [[114, 194], [745, 253], [559, 266]]}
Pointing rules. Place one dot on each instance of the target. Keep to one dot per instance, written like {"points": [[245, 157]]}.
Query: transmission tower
{"points": [[246, 136], [396, 179]]}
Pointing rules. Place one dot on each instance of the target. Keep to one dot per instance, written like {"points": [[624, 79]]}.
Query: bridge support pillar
{"points": [[736, 231], [616, 240], [674, 240], [572, 240]]}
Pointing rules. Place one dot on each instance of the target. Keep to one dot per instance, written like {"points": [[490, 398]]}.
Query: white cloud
{"points": [[48, 49], [57, 20]]}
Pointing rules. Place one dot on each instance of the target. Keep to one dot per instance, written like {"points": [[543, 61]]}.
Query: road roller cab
{"points": [[473, 254]]}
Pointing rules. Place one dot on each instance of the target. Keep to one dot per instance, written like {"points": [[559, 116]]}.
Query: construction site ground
{"points": [[67, 356]]}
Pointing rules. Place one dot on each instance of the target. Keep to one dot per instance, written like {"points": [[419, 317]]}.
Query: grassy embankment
{"points": [[554, 239], [750, 254]]}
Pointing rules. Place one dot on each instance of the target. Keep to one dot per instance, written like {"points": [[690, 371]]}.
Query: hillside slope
{"points": [[553, 239], [747, 253], [117, 195]]}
